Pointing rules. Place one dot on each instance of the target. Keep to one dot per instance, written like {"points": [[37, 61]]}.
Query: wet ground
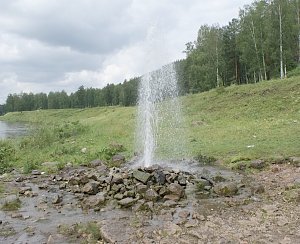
{"points": [[266, 210]]}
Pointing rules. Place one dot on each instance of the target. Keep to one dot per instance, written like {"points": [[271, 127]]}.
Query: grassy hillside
{"points": [[250, 121]]}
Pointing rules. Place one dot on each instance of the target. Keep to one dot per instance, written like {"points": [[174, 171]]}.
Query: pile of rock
{"points": [[126, 186], [141, 188]]}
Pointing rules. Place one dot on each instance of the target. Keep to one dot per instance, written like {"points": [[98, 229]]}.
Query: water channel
{"points": [[9, 130]]}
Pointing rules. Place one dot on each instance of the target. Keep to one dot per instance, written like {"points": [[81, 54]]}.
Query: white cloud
{"points": [[54, 45]]}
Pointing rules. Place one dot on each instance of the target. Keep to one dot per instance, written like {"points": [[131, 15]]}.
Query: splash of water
{"points": [[160, 130]]}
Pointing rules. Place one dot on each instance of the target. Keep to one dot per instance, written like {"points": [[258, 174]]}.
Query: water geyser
{"points": [[159, 132]]}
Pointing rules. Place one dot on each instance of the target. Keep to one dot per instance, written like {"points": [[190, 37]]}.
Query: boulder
{"points": [[55, 199], [90, 187], [141, 189], [160, 177], [127, 202], [94, 200], [176, 189], [141, 176], [257, 164], [226, 189], [151, 195]]}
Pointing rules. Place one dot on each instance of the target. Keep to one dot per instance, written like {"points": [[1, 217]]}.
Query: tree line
{"points": [[124, 94], [262, 43]]}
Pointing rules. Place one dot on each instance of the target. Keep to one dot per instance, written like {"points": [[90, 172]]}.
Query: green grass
{"points": [[249, 121]]}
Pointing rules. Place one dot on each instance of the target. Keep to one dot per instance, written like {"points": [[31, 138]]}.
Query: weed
{"points": [[11, 205]]}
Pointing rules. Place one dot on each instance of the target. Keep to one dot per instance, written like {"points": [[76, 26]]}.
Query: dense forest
{"points": [[262, 43]]}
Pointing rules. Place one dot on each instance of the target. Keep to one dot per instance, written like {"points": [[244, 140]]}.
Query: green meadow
{"points": [[238, 122]]}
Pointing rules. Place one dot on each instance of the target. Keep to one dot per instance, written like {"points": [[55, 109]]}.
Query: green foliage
{"points": [[242, 122], [29, 165], [7, 154], [81, 230], [294, 72], [11, 205], [205, 159], [107, 153]]}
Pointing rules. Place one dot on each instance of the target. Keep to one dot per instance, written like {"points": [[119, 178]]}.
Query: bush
{"points": [[205, 159], [7, 154], [294, 72]]}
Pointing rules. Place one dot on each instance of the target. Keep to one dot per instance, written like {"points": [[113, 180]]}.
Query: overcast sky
{"points": [[54, 45]]}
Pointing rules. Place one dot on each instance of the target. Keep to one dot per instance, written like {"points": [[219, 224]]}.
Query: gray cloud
{"points": [[62, 44]]}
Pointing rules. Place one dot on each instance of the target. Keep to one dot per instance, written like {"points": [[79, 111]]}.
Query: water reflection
{"points": [[8, 130]]}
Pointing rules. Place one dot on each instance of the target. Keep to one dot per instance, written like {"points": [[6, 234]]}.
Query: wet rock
{"points": [[56, 199], [226, 189], [43, 186], [176, 189], [24, 189], [94, 200], [141, 189], [117, 179], [91, 187], [181, 180], [169, 204], [95, 163], [160, 177], [172, 197], [295, 161], [257, 164], [20, 179], [141, 176], [16, 215], [127, 202], [73, 180], [36, 172], [118, 196], [184, 214], [151, 195]]}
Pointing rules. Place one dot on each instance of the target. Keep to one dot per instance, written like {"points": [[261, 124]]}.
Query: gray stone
{"points": [[227, 189], [141, 176], [295, 160], [117, 179], [127, 202], [25, 189], [118, 196], [95, 163], [36, 172], [151, 195], [141, 189], [94, 200], [160, 177], [90, 187], [257, 164], [169, 204], [181, 180], [56, 199], [176, 189], [172, 197]]}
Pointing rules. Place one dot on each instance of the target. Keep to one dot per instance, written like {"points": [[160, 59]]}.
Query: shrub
{"points": [[7, 153]]}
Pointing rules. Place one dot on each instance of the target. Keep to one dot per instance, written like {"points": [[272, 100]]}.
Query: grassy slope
{"points": [[220, 123]]}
